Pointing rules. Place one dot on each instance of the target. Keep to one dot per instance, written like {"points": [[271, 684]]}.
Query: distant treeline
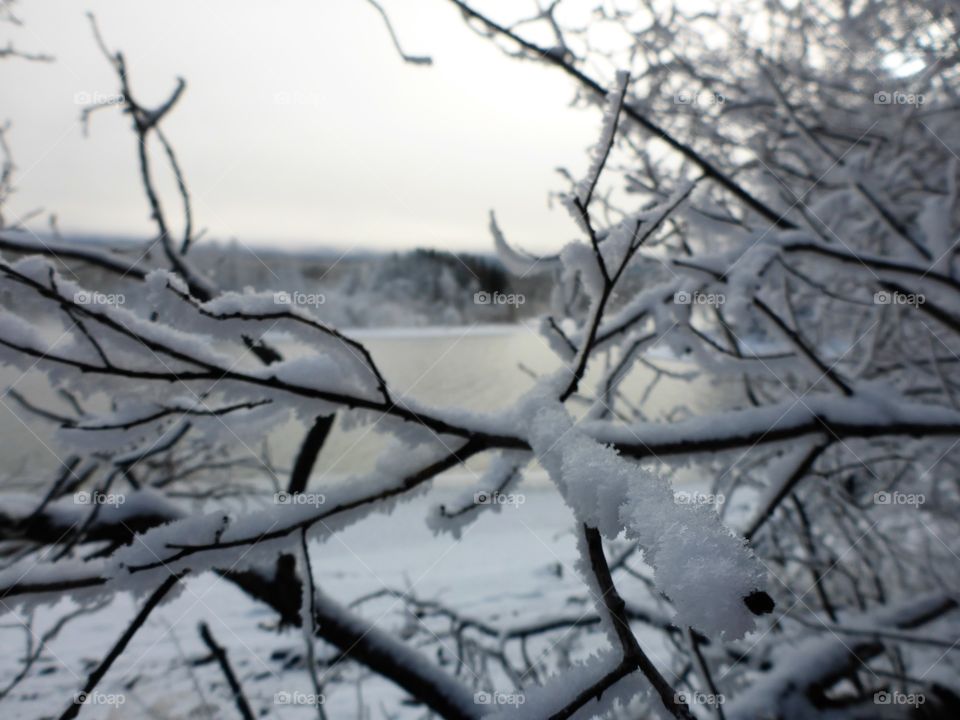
{"points": [[416, 287]]}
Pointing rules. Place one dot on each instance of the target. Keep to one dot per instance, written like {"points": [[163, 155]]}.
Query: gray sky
{"points": [[300, 124]]}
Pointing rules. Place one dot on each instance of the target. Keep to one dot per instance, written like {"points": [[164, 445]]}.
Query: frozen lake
{"points": [[482, 368]]}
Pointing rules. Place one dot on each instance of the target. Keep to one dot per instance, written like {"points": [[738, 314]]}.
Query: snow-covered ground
{"points": [[515, 564]]}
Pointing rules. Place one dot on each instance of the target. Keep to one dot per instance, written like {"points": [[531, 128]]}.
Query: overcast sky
{"points": [[300, 124]]}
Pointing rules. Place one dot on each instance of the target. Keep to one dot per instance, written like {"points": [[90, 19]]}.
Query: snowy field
{"points": [[520, 557]]}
